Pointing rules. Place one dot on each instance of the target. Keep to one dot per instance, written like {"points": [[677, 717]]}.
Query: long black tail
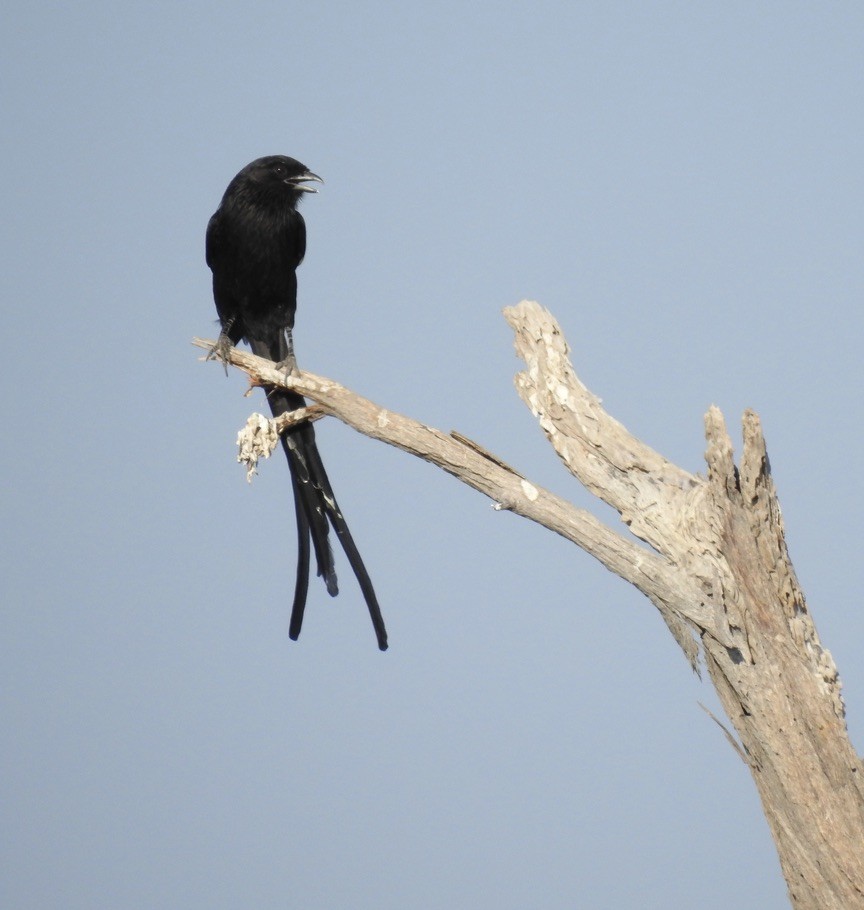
{"points": [[316, 508]]}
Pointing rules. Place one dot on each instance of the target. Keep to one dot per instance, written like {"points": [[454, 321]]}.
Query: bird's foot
{"points": [[221, 350], [288, 366]]}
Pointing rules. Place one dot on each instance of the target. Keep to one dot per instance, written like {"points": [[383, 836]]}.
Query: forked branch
{"points": [[715, 565]]}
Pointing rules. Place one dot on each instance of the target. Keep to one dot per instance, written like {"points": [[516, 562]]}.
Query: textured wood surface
{"points": [[717, 570]]}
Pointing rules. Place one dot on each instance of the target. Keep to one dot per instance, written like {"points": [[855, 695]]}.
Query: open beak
{"points": [[299, 182]]}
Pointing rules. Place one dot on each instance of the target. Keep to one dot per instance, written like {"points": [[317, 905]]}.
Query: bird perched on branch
{"points": [[255, 241]]}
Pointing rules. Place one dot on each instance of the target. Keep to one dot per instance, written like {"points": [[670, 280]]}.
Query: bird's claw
{"points": [[289, 367], [220, 351]]}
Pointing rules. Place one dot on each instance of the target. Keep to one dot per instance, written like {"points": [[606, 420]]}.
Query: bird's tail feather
{"points": [[316, 508], [299, 445], [340, 526], [301, 585]]}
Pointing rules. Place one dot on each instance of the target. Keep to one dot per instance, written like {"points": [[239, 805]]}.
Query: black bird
{"points": [[255, 241]]}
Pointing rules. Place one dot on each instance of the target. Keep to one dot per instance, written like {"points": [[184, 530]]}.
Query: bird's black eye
{"points": [[279, 169]]}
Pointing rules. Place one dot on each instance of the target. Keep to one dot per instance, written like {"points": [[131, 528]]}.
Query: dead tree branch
{"points": [[717, 570]]}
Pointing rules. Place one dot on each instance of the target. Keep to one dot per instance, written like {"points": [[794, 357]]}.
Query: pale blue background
{"points": [[680, 183]]}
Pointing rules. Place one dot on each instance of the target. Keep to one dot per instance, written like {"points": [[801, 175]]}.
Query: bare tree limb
{"points": [[717, 569], [673, 593]]}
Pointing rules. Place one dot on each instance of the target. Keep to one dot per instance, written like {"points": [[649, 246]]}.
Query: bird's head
{"points": [[278, 174]]}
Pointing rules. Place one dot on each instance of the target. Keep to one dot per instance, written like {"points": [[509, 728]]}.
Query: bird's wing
{"points": [[295, 237], [213, 240]]}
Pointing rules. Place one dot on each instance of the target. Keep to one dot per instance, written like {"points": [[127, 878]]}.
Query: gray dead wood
{"points": [[717, 570]]}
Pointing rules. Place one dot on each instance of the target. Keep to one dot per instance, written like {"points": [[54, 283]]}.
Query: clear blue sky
{"points": [[682, 184]]}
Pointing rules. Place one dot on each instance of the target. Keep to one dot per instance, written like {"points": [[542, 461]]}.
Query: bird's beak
{"points": [[299, 182]]}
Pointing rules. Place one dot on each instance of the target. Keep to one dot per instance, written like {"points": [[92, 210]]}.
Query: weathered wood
{"points": [[778, 685], [718, 571], [494, 478]]}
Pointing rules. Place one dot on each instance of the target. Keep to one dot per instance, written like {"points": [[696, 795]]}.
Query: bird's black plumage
{"points": [[255, 241]]}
